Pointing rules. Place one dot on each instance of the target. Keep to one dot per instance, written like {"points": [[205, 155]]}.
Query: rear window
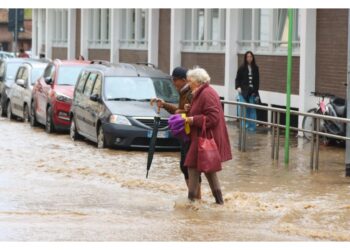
{"points": [[68, 75]]}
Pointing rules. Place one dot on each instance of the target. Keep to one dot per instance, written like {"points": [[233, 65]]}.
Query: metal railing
{"points": [[276, 127]]}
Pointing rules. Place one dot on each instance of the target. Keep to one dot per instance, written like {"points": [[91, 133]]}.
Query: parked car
{"points": [[8, 70], [52, 95], [4, 54], [20, 94], [111, 106]]}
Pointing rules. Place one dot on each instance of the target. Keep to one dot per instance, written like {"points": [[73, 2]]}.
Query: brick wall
{"points": [[59, 53], [273, 72], [213, 63], [99, 54], [164, 40], [132, 56], [331, 51]]}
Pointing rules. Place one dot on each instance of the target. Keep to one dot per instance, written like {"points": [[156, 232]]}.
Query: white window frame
{"points": [[60, 32], [99, 28], [273, 44], [207, 45], [131, 32]]}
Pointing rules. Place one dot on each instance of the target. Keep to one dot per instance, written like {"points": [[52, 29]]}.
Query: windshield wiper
{"points": [[121, 99]]}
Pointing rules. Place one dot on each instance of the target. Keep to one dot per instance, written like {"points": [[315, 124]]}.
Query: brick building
{"points": [[6, 37], [215, 39]]}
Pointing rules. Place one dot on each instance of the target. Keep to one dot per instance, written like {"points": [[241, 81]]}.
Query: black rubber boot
{"points": [[218, 197]]}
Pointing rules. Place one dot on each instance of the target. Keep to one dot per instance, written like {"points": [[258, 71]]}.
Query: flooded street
{"points": [[53, 189]]}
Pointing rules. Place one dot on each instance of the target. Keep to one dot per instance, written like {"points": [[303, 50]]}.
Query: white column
{"points": [[35, 32], [115, 34], [231, 58], [49, 33], [72, 18], [176, 31], [307, 59], [153, 36], [84, 35]]}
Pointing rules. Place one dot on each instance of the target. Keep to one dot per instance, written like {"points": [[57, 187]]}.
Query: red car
{"points": [[52, 95]]}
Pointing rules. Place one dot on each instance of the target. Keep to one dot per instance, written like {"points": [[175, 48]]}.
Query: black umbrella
{"points": [[152, 143]]}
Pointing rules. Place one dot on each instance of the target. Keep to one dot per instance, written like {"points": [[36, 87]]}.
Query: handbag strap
{"points": [[204, 127]]}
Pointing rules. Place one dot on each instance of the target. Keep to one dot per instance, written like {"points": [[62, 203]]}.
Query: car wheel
{"points": [[10, 116], [32, 119], [49, 127], [101, 140], [26, 116], [73, 132]]}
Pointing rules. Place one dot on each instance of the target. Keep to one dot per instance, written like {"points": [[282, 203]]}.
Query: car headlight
{"points": [[63, 98], [119, 119]]}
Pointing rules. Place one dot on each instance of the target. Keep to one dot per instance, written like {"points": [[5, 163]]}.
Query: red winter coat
{"points": [[206, 102]]}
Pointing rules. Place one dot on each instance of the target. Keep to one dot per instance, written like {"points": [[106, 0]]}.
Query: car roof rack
{"points": [[147, 64], [101, 62]]}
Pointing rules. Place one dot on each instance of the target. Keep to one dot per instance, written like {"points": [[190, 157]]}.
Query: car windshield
{"points": [[11, 70], [68, 75], [139, 89], [36, 73]]}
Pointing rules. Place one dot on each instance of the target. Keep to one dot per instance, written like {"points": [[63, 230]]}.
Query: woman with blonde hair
{"points": [[205, 106]]}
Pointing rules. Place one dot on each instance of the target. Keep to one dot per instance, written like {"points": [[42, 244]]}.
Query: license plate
{"points": [[160, 134]]}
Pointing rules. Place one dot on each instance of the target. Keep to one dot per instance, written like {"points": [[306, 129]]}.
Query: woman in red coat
{"points": [[205, 103]]}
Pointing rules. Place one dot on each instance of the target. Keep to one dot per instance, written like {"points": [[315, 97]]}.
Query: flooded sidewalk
{"points": [[53, 189]]}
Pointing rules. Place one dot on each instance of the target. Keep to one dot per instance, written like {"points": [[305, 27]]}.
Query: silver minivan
{"points": [[20, 93]]}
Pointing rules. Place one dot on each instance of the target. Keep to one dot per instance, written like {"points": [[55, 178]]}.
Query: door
{"points": [[94, 107], [42, 93], [86, 106], [77, 107]]}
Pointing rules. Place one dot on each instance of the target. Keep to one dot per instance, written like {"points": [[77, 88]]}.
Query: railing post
{"points": [[239, 115], [278, 136], [273, 134], [317, 142], [244, 128], [312, 146]]}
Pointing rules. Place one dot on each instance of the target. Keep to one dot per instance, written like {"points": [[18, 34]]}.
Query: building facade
{"points": [[215, 39], [7, 38]]}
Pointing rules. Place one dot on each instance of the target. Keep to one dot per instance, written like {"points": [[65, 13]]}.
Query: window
{"points": [[266, 30], [49, 71], [134, 27], [89, 84], [99, 28], [82, 81], [19, 73], [60, 31], [204, 30], [97, 86]]}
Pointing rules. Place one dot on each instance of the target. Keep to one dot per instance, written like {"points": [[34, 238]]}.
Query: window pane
{"points": [[200, 25], [97, 86], [132, 26], [215, 27], [247, 24], [89, 84], [123, 24], [188, 24], [264, 17], [143, 25]]}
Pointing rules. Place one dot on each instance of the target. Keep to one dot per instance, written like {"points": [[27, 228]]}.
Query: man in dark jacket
{"points": [[179, 76]]}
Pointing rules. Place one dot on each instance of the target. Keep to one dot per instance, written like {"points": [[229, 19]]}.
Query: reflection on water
{"points": [[56, 189]]}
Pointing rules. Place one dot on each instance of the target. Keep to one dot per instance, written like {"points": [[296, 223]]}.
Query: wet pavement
{"points": [[53, 189]]}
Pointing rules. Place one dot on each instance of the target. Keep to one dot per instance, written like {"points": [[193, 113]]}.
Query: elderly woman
{"points": [[205, 104]]}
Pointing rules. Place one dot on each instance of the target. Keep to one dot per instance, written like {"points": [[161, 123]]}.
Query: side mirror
{"points": [[48, 80], [21, 82], [95, 98]]}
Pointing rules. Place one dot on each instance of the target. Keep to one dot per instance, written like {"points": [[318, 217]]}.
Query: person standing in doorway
{"points": [[179, 76], [247, 86]]}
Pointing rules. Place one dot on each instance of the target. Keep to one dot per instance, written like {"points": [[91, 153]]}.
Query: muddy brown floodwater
{"points": [[54, 189]]}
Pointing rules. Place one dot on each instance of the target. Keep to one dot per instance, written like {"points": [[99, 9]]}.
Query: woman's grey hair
{"points": [[199, 75]]}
